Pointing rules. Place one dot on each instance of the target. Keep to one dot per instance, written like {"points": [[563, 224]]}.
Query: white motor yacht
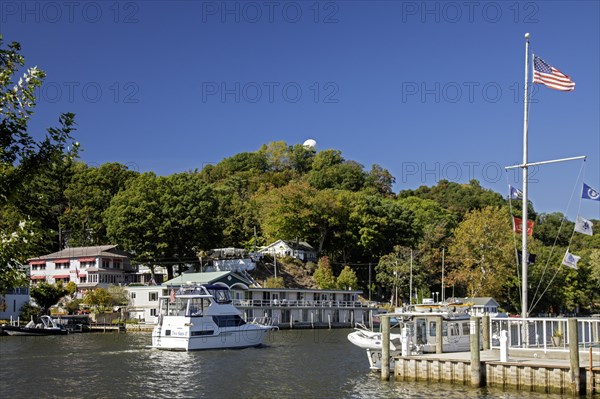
{"points": [[202, 317]]}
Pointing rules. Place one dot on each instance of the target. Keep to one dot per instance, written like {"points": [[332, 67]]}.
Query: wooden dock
{"points": [[576, 371], [548, 375]]}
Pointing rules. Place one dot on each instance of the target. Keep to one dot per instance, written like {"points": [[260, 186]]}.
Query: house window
{"points": [[152, 312], [153, 296], [83, 279], [132, 295], [117, 264], [105, 263], [61, 265]]}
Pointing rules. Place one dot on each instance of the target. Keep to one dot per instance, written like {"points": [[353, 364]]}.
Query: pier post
{"points": [[385, 348], [486, 332], [475, 355], [439, 335], [574, 356]]}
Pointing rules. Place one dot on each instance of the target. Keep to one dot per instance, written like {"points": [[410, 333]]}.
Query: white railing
{"points": [[269, 303], [549, 334]]}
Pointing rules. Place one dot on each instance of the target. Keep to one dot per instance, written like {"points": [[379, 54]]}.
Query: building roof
{"points": [[483, 301], [228, 278], [79, 252], [295, 245]]}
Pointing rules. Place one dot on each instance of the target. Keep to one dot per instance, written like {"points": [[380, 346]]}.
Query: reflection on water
{"points": [[296, 363]]}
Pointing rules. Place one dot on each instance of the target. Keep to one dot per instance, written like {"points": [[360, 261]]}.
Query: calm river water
{"points": [[296, 363]]}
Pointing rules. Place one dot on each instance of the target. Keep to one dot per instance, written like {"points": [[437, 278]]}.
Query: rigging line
{"points": [[581, 175], [514, 237]]}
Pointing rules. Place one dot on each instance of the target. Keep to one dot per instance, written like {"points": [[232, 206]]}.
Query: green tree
{"points": [[119, 295], [347, 279], [47, 295], [98, 298], [30, 312], [456, 197], [14, 250], [298, 210], [330, 170], [482, 253], [274, 282], [377, 222], [164, 219], [88, 195], [323, 276], [22, 160], [393, 273], [71, 288], [73, 306]]}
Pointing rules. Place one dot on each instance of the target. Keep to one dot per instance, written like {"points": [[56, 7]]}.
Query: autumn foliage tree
{"points": [[347, 279], [482, 253], [323, 276]]}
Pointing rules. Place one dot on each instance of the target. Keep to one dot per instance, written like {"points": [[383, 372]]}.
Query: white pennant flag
{"points": [[571, 260], [584, 226]]}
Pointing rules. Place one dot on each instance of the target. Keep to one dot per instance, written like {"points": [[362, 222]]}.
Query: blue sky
{"points": [[428, 90]]}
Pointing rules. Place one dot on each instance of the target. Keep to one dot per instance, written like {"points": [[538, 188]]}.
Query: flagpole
{"points": [[524, 255]]}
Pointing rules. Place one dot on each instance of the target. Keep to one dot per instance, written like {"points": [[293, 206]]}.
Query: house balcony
{"points": [[286, 303]]}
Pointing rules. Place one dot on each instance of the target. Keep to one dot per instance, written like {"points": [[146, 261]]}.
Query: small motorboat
{"points": [[47, 326]]}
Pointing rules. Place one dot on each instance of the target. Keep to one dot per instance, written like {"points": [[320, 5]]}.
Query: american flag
{"points": [[550, 76]]}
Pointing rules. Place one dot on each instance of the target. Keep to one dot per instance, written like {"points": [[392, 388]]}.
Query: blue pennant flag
{"points": [[515, 193], [590, 193]]}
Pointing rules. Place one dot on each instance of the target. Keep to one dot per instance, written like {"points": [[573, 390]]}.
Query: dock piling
{"points": [[475, 354], [440, 337], [486, 332], [574, 356], [385, 348]]}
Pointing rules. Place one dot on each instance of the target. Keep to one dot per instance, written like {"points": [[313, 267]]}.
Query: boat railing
{"points": [[548, 334], [301, 303]]}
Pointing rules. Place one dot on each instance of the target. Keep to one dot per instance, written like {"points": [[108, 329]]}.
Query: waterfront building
{"points": [[481, 306], [88, 267], [304, 308], [12, 301], [288, 307]]}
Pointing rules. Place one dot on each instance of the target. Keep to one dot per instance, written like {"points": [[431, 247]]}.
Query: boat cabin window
{"points": [[221, 295], [228, 321], [421, 331], [466, 329], [454, 329], [196, 306], [432, 329], [176, 308]]}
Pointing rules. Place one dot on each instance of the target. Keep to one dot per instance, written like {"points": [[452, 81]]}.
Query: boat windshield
{"points": [[196, 306], [221, 294], [184, 306]]}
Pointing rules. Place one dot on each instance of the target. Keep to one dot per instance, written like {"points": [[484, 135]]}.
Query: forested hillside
{"points": [[347, 211]]}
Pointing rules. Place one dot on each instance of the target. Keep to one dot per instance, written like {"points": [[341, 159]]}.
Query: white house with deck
{"points": [[296, 249]]}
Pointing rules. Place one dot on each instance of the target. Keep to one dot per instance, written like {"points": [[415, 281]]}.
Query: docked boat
{"points": [[47, 326], [419, 325], [203, 317]]}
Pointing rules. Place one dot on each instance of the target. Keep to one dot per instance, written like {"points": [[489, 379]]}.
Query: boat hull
{"points": [[14, 330], [242, 337]]}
